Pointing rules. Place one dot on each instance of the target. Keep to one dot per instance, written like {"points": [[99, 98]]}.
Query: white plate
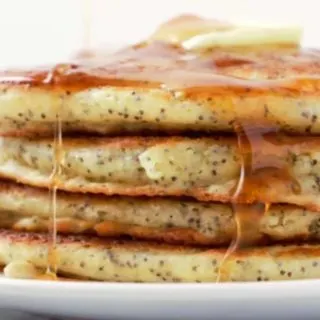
{"points": [[269, 300]]}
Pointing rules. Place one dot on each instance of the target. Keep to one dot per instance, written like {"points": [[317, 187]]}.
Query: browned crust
{"points": [[130, 261], [275, 194], [109, 228], [12, 188], [87, 241], [180, 236], [140, 141], [90, 241], [150, 191], [272, 143]]}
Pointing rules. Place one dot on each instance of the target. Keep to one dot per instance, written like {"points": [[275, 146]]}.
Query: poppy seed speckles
{"points": [[314, 228], [203, 168], [91, 109]]}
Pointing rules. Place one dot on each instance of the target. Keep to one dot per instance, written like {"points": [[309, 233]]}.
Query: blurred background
{"points": [[40, 31]]}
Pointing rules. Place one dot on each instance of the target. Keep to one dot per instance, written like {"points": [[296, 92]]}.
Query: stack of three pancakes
{"points": [[167, 161]]}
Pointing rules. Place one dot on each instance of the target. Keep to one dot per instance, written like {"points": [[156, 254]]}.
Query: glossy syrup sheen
{"points": [[163, 65], [258, 171], [52, 253], [170, 67]]}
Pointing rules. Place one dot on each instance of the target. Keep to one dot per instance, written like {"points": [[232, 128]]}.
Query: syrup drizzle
{"points": [[57, 144], [87, 23], [56, 172], [86, 49], [258, 171], [53, 78]]}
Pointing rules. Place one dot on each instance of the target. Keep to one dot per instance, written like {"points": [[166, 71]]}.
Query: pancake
{"points": [[162, 86], [207, 169], [125, 261], [167, 220]]}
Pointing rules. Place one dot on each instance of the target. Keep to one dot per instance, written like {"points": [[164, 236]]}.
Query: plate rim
{"points": [[181, 291]]}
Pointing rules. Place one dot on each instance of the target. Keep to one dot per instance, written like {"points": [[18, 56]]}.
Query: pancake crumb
{"points": [[21, 270]]}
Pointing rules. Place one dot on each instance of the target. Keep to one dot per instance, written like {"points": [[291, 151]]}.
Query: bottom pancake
{"points": [[125, 261]]}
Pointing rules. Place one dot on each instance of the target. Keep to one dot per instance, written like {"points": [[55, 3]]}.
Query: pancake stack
{"points": [[191, 157]]}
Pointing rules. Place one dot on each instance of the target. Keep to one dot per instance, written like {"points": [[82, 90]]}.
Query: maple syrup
{"points": [[57, 159], [53, 258], [258, 171], [57, 142], [53, 79], [86, 46]]}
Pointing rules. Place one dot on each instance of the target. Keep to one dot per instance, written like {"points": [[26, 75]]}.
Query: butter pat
{"points": [[245, 36], [186, 27]]}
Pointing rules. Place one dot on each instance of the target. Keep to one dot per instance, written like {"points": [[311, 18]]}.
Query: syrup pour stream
{"points": [[57, 153], [87, 24], [57, 159], [53, 257]]}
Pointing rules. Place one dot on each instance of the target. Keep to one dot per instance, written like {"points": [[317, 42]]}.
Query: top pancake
{"points": [[161, 85]]}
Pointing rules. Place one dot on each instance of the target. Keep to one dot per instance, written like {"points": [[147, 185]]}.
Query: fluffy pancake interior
{"points": [[207, 169]]}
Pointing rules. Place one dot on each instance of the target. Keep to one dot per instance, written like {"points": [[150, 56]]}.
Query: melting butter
{"points": [[185, 27], [195, 33], [245, 36]]}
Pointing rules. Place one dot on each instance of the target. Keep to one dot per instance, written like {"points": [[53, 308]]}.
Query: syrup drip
{"points": [[57, 158], [53, 77], [258, 172], [86, 50], [87, 23]]}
